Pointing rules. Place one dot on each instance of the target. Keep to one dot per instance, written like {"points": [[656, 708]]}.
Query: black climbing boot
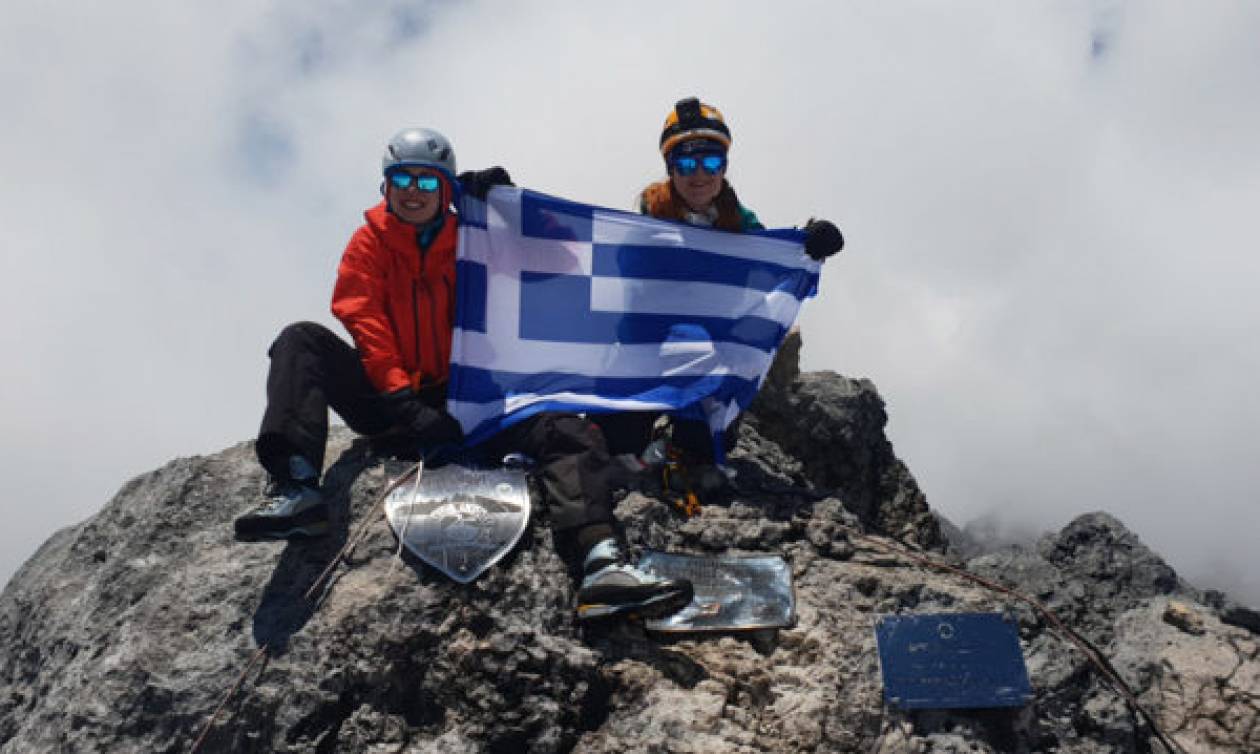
{"points": [[612, 588]]}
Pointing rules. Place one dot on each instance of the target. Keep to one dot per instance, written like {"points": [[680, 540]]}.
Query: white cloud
{"points": [[1048, 274]]}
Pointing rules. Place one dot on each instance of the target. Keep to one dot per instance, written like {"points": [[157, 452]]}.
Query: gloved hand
{"points": [[477, 183], [428, 425], [822, 239]]}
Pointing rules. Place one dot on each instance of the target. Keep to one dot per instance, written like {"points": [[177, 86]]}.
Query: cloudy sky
{"points": [[1051, 270]]}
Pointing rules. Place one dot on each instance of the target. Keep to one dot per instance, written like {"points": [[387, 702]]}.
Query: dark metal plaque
{"points": [[460, 520], [732, 593], [952, 661]]}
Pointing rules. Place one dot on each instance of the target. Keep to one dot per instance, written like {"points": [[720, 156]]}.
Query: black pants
{"points": [[630, 432], [573, 465], [313, 370]]}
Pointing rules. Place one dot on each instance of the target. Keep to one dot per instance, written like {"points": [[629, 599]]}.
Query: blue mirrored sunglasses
{"points": [[403, 180], [712, 164]]}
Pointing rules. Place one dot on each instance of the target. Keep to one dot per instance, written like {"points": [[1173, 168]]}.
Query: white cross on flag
{"points": [[570, 307]]}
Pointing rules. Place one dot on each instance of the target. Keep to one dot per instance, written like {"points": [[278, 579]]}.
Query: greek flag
{"points": [[563, 306]]}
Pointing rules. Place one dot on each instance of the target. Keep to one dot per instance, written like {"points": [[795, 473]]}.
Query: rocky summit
{"points": [[124, 633]]}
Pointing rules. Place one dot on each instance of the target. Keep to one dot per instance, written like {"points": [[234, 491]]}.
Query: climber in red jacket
{"points": [[395, 294]]}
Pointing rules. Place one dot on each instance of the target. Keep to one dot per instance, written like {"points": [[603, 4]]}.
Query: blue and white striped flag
{"points": [[566, 306]]}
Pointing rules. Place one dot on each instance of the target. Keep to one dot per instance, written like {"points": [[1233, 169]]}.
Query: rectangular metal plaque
{"points": [[733, 593], [952, 661]]}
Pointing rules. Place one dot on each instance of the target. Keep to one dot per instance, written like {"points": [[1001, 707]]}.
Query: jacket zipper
{"points": [[415, 316], [415, 306], [433, 329], [423, 281]]}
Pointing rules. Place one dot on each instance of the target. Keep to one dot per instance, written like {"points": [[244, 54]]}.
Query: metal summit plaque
{"points": [[952, 661], [732, 593], [460, 520]]}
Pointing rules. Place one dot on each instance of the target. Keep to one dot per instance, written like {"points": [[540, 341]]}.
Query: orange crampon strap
{"points": [[689, 504], [685, 499]]}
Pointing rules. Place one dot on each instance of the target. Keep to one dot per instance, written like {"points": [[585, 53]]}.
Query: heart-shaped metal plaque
{"points": [[460, 520]]}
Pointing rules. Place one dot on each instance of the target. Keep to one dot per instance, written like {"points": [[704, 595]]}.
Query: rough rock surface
{"points": [[834, 427], [123, 633]]}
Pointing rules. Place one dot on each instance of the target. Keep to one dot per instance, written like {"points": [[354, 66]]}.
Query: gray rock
{"points": [[984, 534], [123, 633], [834, 427], [1231, 612]]}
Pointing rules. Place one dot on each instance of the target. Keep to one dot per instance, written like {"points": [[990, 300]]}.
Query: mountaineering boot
{"points": [[610, 587], [292, 508]]}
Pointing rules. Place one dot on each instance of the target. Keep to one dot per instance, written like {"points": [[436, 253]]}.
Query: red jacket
{"points": [[397, 301]]}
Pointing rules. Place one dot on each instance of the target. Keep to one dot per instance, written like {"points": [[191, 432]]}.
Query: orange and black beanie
{"points": [[692, 119]]}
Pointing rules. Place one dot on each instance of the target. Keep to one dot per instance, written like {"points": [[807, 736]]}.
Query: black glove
{"points": [[429, 425], [822, 239], [477, 183]]}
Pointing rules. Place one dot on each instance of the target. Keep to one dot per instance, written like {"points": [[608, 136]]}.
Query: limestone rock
{"points": [[834, 427], [123, 633]]}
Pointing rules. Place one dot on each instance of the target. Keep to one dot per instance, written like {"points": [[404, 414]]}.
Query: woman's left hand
{"points": [[822, 239]]}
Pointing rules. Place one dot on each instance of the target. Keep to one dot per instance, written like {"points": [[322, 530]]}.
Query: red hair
{"points": [[661, 201]]}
